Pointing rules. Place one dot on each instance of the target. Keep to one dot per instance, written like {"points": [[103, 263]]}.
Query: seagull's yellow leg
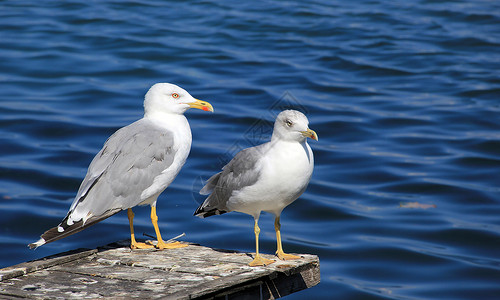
{"points": [[161, 244], [281, 255], [133, 243], [258, 260]]}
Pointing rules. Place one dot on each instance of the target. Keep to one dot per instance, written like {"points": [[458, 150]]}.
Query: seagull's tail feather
{"points": [[204, 212], [211, 184], [64, 230], [214, 204]]}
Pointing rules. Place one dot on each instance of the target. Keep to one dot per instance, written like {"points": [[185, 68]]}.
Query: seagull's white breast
{"points": [[286, 168], [179, 125]]}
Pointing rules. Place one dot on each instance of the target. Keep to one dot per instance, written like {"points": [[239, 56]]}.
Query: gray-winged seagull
{"points": [[136, 164], [267, 177]]}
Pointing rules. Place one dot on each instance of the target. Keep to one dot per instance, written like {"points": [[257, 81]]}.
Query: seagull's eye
{"points": [[288, 123], [175, 95]]}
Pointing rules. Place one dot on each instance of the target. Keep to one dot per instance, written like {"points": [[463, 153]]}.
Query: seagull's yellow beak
{"points": [[203, 105], [310, 134]]}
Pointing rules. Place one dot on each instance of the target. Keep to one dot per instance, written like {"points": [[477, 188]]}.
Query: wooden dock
{"points": [[194, 272]]}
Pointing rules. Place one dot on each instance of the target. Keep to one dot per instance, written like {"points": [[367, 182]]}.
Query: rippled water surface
{"points": [[405, 98]]}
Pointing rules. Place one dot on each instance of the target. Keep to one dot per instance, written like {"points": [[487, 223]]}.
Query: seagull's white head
{"points": [[169, 98], [292, 125]]}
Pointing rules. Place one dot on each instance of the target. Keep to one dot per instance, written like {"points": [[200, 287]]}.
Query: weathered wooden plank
{"points": [[47, 262], [115, 271]]}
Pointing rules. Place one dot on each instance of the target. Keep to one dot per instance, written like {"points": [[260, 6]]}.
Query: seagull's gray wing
{"points": [[242, 171], [126, 166]]}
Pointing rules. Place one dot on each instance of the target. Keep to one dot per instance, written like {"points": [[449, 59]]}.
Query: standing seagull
{"points": [[137, 163], [267, 177]]}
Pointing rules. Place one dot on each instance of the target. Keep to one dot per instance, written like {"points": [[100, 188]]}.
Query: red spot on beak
{"points": [[205, 108]]}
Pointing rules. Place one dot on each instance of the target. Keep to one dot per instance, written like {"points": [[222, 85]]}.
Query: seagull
{"points": [[267, 177], [136, 164]]}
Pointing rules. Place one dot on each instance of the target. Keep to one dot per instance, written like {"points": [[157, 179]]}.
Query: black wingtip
{"points": [[202, 213], [63, 229]]}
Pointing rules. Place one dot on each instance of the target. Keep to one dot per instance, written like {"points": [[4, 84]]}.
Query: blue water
{"points": [[404, 95]]}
